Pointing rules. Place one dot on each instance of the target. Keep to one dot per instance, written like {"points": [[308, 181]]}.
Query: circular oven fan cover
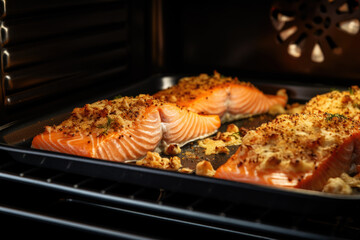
{"points": [[314, 29]]}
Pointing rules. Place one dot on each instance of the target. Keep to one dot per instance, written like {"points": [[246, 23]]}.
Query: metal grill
{"points": [[115, 209]]}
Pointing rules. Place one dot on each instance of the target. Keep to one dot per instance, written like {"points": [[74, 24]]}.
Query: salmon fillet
{"points": [[297, 151], [346, 103], [125, 128], [224, 96]]}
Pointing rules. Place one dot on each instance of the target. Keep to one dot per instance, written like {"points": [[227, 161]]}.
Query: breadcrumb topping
{"points": [[346, 103], [218, 143], [189, 88], [172, 149], [204, 168], [296, 143], [106, 116], [154, 160], [337, 186]]}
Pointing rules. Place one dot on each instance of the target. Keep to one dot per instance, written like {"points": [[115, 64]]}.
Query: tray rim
{"points": [[119, 166]]}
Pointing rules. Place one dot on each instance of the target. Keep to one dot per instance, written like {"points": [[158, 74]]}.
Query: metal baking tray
{"points": [[16, 138]]}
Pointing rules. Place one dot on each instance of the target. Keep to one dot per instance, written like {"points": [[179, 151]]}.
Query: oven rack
{"points": [[159, 207]]}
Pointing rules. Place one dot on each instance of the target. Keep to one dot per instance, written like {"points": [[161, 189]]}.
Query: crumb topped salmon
{"points": [[299, 151], [346, 103], [227, 97], [125, 128]]}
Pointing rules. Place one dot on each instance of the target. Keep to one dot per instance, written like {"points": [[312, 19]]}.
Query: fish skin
{"points": [[155, 124]]}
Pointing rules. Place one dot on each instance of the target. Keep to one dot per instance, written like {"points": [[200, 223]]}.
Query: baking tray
{"points": [[16, 138]]}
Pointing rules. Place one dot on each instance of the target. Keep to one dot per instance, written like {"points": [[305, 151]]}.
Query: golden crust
{"points": [[337, 186], [346, 103], [172, 149], [190, 88], [218, 143], [154, 160], [106, 116], [296, 143], [204, 168]]}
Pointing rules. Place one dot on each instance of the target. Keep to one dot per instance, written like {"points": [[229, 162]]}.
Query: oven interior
{"points": [[59, 55]]}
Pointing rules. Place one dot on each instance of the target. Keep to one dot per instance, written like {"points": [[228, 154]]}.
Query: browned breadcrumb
{"points": [[189, 88], [276, 109], [351, 181], [337, 186], [223, 136], [282, 92], [186, 170], [243, 131], [232, 128], [218, 144], [346, 103], [296, 143], [294, 108], [154, 160], [106, 116], [288, 109], [172, 150], [205, 168], [222, 149]]}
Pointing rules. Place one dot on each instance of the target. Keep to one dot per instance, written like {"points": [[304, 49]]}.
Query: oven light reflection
{"points": [[294, 50], [351, 27], [288, 32], [167, 82], [317, 55]]}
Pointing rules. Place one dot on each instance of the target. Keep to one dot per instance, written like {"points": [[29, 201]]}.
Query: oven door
{"points": [[88, 49]]}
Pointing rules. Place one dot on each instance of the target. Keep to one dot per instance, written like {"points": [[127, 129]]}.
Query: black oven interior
{"points": [[65, 53]]}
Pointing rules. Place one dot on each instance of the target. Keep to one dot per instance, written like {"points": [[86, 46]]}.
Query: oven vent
{"points": [[315, 29]]}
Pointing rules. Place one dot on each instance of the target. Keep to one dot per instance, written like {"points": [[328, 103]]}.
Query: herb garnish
{"points": [[236, 135], [223, 76], [106, 126], [330, 116], [118, 96], [351, 91]]}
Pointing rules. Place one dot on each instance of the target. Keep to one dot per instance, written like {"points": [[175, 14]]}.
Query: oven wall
{"points": [[248, 38], [56, 52]]}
